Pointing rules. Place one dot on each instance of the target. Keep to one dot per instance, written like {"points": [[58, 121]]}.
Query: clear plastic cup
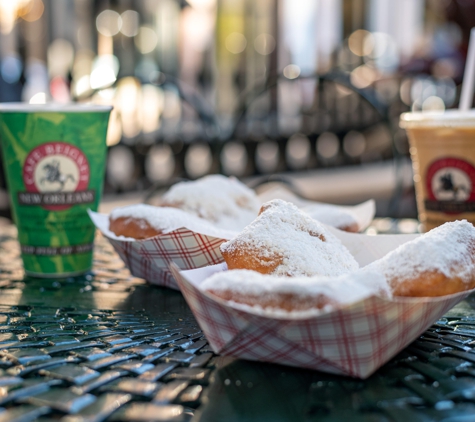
{"points": [[442, 147]]}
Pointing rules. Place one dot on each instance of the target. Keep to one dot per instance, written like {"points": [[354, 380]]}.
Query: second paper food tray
{"points": [[354, 340]]}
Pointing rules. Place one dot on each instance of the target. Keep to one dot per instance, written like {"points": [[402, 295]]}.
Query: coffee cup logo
{"points": [[450, 186], [56, 177], [53, 178]]}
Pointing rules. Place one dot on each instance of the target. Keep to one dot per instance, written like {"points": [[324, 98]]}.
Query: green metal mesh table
{"points": [[110, 347]]}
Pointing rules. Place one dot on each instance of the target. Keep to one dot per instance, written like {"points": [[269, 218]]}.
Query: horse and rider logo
{"points": [[450, 182], [56, 168], [447, 187], [53, 175]]}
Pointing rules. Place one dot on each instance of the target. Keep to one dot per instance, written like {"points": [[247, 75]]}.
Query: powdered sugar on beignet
{"points": [[285, 241], [152, 221], [437, 263], [283, 295], [225, 201]]}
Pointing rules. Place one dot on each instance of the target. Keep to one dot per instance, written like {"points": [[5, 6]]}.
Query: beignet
{"points": [[438, 263], [291, 295], [142, 221], [224, 201], [285, 241]]}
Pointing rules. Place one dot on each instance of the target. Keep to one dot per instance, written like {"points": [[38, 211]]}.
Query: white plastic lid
{"points": [[53, 108], [447, 118]]}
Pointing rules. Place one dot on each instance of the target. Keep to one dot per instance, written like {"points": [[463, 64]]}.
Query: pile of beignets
{"points": [[283, 260], [286, 261], [222, 201]]}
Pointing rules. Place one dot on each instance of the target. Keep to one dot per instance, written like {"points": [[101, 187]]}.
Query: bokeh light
{"points": [[433, 103], [382, 52], [32, 11], [360, 42], [151, 107], [354, 144], [264, 44], [405, 91], [198, 25], [172, 104], [9, 11], [108, 23], [37, 82], [267, 156], [60, 57], [198, 160], [328, 145], [121, 167], [104, 71], [127, 100], [59, 90], [297, 151], [159, 163], [363, 76], [291, 71], [82, 86], [114, 130], [38, 98], [146, 39], [369, 43], [235, 42], [130, 23], [234, 158], [11, 68]]}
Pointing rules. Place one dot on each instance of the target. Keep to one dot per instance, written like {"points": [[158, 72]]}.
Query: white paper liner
{"points": [[150, 258], [354, 340], [362, 213]]}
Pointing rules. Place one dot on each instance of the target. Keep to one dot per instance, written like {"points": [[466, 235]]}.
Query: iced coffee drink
{"points": [[442, 147]]}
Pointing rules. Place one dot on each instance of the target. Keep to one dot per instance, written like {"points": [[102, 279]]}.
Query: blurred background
{"points": [[308, 92]]}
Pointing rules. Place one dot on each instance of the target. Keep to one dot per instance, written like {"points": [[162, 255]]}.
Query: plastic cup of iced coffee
{"points": [[54, 159], [442, 147]]}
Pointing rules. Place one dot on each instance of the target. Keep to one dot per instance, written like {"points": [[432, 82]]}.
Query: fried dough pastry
{"points": [[438, 263], [142, 221], [137, 228], [224, 201], [286, 241], [298, 294]]}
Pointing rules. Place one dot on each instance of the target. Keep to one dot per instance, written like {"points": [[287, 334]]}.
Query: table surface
{"points": [[108, 346]]}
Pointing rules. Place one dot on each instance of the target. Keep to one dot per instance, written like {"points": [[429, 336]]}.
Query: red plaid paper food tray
{"points": [[355, 340], [150, 258]]}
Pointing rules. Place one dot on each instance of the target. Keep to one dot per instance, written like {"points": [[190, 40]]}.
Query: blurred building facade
{"points": [[237, 86]]}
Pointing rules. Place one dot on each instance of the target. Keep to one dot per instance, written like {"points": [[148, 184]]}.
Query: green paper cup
{"points": [[54, 158]]}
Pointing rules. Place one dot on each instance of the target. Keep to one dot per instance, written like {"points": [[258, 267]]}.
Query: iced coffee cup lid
{"points": [[447, 118], [53, 108]]}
